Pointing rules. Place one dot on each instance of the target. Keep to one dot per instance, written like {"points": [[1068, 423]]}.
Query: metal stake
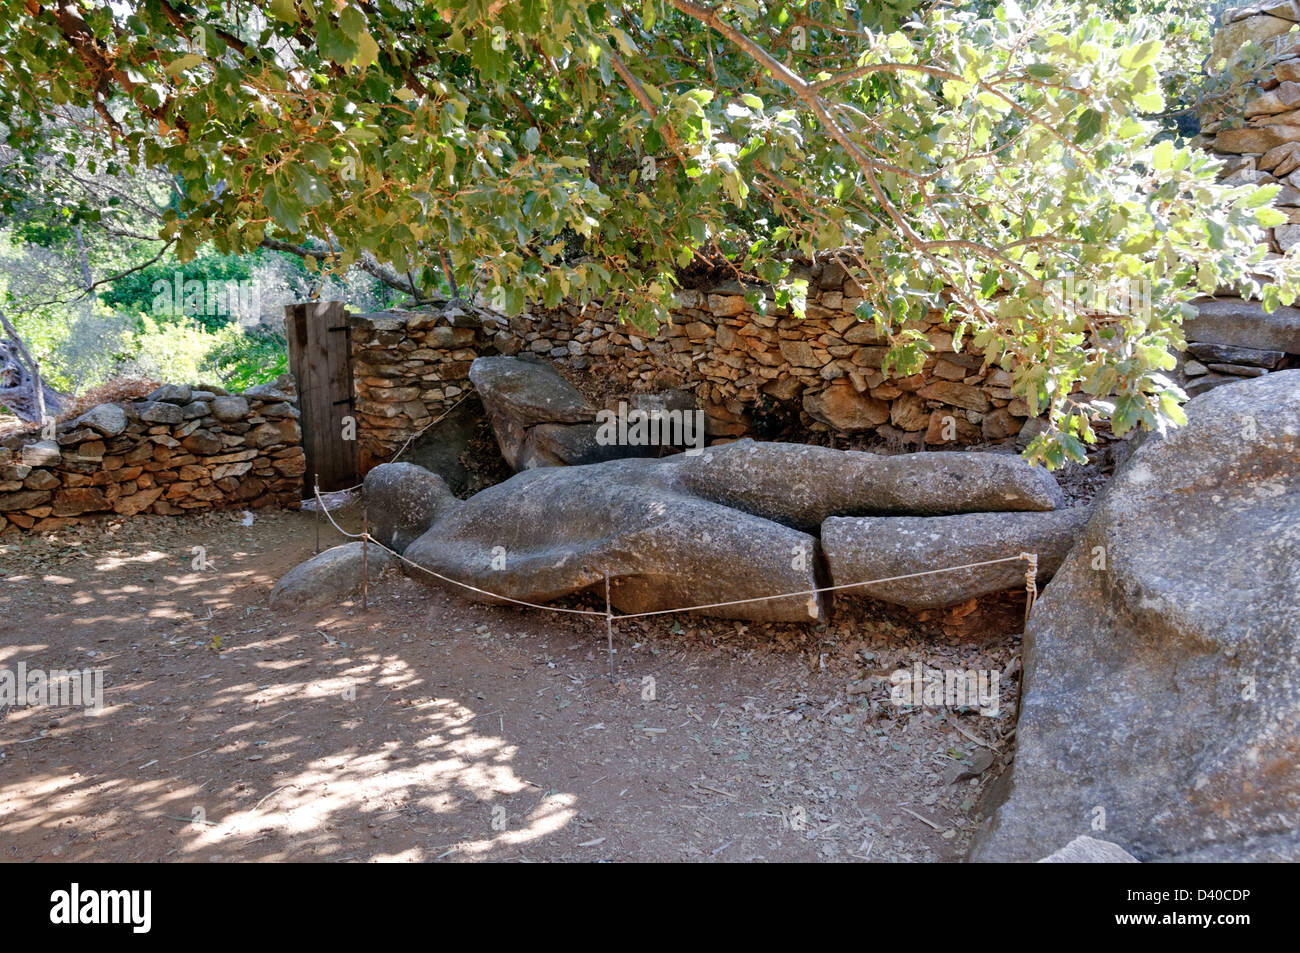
{"points": [[609, 626], [316, 483], [365, 556]]}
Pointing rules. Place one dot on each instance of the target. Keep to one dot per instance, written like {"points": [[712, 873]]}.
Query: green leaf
{"points": [[1090, 124], [1162, 156], [1135, 57], [182, 63], [283, 207], [368, 52], [284, 10], [351, 22]]}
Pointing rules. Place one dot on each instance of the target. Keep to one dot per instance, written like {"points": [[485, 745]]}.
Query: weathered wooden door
{"points": [[320, 358]]}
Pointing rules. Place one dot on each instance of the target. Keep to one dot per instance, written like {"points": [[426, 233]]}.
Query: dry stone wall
{"points": [[825, 368], [179, 450], [1259, 143], [408, 367]]}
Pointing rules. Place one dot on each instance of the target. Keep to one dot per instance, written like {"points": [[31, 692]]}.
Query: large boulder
{"points": [[672, 532], [573, 445], [518, 395], [402, 500], [885, 547], [802, 485], [553, 531], [1161, 678], [528, 392], [328, 577], [541, 420]]}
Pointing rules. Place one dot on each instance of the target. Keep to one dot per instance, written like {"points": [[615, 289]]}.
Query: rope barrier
{"points": [[1031, 574], [1031, 581]]}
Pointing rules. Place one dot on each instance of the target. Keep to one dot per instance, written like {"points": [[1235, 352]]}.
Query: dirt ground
{"points": [[427, 727]]}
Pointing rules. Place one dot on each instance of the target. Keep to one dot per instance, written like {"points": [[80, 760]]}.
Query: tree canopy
{"points": [[999, 164]]}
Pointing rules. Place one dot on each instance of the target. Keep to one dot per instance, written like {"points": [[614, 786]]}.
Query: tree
{"points": [[999, 168]]}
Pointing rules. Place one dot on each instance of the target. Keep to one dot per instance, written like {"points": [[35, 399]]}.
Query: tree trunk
{"points": [[21, 387]]}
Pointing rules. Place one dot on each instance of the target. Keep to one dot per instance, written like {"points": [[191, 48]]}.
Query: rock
{"points": [[328, 577], [402, 501], [671, 532], [156, 412], [23, 499], [1284, 97], [230, 409], [202, 442], [77, 501], [1245, 324], [801, 485], [1238, 370], [1287, 236], [528, 392], [137, 502], [958, 771], [1275, 8], [444, 448], [866, 332], [908, 413], [1281, 160], [1162, 684], [267, 392], [1195, 369], [284, 431], [863, 548], [842, 407], [1227, 354], [553, 531], [519, 394], [1089, 850], [948, 426], [279, 408], [663, 402], [554, 445], [107, 419], [1208, 382], [1254, 138], [959, 395], [42, 453], [1232, 37], [1000, 424], [172, 394], [41, 480], [1287, 70]]}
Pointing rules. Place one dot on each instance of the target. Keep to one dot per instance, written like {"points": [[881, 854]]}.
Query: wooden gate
{"points": [[320, 359]]}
